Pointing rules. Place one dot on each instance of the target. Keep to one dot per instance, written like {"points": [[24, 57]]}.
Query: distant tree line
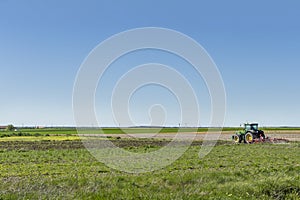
{"points": [[10, 127]]}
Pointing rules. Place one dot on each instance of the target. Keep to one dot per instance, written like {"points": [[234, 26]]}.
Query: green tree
{"points": [[10, 127]]}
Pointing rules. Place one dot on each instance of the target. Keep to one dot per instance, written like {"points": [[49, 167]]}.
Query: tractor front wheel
{"points": [[248, 138]]}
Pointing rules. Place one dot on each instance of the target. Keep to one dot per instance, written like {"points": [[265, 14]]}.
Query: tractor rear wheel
{"points": [[237, 139], [249, 138]]}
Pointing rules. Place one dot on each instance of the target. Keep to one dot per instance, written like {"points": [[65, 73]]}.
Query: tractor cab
{"points": [[251, 127]]}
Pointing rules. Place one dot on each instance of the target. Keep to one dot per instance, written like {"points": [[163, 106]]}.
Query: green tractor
{"points": [[249, 134]]}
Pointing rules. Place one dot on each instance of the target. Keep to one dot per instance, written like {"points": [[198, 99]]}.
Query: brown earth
{"points": [[23, 146], [125, 140], [225, 135]]}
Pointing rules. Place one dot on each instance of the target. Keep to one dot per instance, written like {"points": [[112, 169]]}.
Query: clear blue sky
{"points": [[255, 44]]}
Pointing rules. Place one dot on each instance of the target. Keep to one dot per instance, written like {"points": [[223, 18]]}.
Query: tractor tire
{"points": [[249, 138], [237, 139]]}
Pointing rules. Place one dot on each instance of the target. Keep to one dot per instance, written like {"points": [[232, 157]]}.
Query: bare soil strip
{"points": [[225, 135]]}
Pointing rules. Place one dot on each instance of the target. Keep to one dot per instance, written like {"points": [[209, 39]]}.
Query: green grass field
{"points": [[59, 167], [73, 131]]}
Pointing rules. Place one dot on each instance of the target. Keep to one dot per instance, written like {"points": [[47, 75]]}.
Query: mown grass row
{"points": [[262, 171]]}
